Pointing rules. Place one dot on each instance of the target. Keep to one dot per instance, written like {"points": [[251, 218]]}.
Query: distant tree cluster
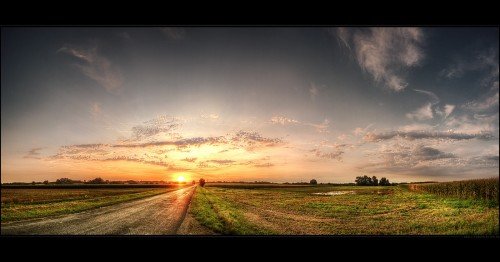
{"points": [[202, 182], [313, 182], [371, 181]]}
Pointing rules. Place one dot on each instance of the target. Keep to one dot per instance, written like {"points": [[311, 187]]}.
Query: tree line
{"points": [[371, 181]]}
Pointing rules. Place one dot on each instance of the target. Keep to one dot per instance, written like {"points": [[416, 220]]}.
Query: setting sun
{"points": [[181, 179]]}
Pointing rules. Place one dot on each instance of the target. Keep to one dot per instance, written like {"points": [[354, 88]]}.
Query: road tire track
{"points": [[158, 215]]}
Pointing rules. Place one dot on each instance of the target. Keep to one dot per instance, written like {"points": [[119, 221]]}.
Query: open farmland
{"points": [[21, 203], [340, 210]]}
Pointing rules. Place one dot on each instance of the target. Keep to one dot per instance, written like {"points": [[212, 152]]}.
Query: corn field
{"points": [[477, 189]]}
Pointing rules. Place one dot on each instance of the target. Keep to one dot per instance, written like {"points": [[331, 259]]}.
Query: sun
{"points": [[181, 179]]}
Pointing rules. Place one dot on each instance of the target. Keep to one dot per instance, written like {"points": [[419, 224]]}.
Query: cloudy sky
{"points": [[246, 104]]}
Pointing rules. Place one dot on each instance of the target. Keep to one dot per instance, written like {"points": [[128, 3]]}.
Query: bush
{"points": [[313, 182], [202, 182]]}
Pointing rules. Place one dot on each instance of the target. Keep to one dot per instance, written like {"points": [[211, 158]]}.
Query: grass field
{"points": [[20, 204], [340, 210]]}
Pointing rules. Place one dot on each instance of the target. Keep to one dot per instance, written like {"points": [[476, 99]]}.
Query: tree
{"points": [[384, 182], [64, 180], [194, 182], [374, 181], [202, 182], [363, 181], [96, 181], [313, 182], [46, 182]]}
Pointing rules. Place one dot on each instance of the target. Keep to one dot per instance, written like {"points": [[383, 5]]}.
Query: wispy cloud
{"points": [[481, 105], [95, 110], [423, 113], [210, 116], [479, 60], [423, 160], [252, 140], [336, 155], [190, 159], [174, 33], [313, 91], [283, 120], [96, 67], [431, 108], [221, 161], [34, 153], [434, 99], [446, 111], [161, 124], [413, 135], [385, 53]]}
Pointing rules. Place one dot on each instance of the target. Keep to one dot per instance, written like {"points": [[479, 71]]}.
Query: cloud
{"points": [[423, 160], [252, 140], [221, 162], [428, 110], [336, 155], [434, 98], [283, 120], [95, 109], [211, 116], [423, 113], [96, 67], [482, 105], [358, 131], [131, 159], [486, 63], [385, 52], [482, 60], [190, 159], [473, 124], [414, 135], [264, 165], [313, 91], [344, 36], [181, 143], [34, 153], [174, 33], [161, 124], [446, 111]]}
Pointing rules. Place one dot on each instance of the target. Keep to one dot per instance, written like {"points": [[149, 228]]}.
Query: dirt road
{"points": [[157, 215]]}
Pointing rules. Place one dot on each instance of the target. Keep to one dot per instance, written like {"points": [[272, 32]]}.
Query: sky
{"points": [[249, 104]]}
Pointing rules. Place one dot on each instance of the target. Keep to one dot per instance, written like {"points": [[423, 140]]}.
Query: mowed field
{"points": [[28, 203], [339, 210]]}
